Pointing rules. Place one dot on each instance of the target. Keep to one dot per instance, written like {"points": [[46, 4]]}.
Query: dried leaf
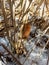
{"points": [[21, 1], [26, 30]]}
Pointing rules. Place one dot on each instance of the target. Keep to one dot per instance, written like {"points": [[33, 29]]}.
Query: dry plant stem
{"points": [[24, 15], [23, 45], [38, 7], [27, 10], [44, 32], [5, 19], [46, 5], [47, 61], [11, 10], [1, 44], [43, 10], [13, 20], [18, 5]]}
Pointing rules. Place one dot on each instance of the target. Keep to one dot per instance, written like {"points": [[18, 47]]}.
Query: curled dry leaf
{"points": [[26, 30]]}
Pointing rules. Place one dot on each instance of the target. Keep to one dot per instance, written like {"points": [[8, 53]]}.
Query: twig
{"points": [[44, 32], [47, 61], [1, 44]]}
